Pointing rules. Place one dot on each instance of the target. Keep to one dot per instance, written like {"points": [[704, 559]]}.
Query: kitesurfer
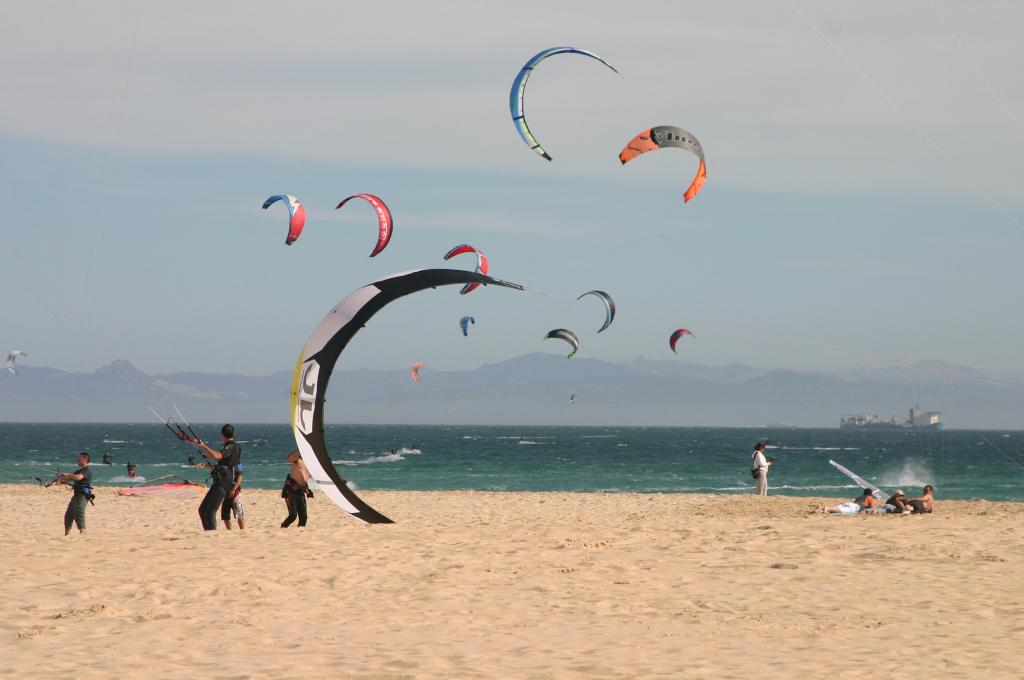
{"points": [[81, 481], [223, 471], [131, 468], [233, 503], [296, 489], [107, 458], [759, 468]]}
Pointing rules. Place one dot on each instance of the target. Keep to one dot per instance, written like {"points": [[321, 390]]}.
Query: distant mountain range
{"points": [[530, 389]]}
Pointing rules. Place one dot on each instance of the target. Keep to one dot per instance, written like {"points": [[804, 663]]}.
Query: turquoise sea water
{"points": [[961, 464]]}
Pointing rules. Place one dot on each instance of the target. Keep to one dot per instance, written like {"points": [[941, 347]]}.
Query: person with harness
{"points": [[296, 489], [759, 469], [81, 485], [223, 472]]}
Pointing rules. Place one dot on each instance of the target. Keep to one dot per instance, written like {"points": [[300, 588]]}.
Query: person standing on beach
{"points": [[759, 468], [223, 471], [296, 488], [233, 502], [81, 481]]}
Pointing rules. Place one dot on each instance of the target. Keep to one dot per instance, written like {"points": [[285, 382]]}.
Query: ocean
{"points": [[961, 464]]}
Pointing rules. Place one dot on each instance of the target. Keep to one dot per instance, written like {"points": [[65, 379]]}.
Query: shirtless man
{"points": [[296, 488], [923, 503]]}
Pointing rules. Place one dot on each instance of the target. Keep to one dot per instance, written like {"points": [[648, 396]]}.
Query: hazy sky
{"points": [[862, 208]]}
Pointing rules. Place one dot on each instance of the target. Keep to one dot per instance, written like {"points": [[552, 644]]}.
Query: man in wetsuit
{"points": [[296, 488], [81, 481], [223, 470], [233, 503]]}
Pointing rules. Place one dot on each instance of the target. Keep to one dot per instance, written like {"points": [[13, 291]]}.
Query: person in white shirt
{"points": [[759, 467]]}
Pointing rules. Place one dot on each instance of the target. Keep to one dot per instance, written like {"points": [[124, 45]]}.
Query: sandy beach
{"points": [[503, 585]]}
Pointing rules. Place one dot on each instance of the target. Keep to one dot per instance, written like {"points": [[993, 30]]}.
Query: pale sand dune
{"points": [[505, 585]]}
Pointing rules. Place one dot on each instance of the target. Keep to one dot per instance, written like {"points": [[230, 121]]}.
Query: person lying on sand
{"points": [[923, 503], [861, 502]]}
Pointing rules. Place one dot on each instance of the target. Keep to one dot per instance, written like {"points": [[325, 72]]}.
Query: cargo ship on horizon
{"points": [[916, 420]]}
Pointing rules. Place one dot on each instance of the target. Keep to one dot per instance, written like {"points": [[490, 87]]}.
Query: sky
{"points": [[862, 206]]}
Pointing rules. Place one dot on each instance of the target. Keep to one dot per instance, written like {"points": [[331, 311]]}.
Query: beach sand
{"points": [[510, 585]]}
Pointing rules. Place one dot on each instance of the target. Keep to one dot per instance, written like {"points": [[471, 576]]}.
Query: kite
{"points": [[11, 358], [296, 215], [663, 136], [861, 482], [675, 338], [415, 370], [319, 356], [385, 223], [516, 96], [568, 336], [609, 307], [481, 263], [464, 324]]}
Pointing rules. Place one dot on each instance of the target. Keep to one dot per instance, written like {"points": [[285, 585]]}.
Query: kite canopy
{"points": [[384, 221], [518, 92], [416, 371], [861, 482], [317, 360], [14, 354], [609, 306], [180, 489], [464, 324], [664, 136], [296, 215], [481, 263], [568, 336], [674, 338]]}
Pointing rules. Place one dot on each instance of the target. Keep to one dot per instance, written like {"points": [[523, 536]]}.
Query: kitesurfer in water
{"points": [[233, 502], [81, 481], [759, 467], [107, 458], [131, 468], [296, 489], [223, 471]]}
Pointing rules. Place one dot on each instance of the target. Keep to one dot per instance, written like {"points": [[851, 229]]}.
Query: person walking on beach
{"points": [[81, 481], [223, 471], [296, 489], [233, 502], [759, 467]]}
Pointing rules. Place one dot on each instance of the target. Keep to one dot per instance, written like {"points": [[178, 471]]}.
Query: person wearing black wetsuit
{"points": [[81, 481], [223, 470], [107, 458]]}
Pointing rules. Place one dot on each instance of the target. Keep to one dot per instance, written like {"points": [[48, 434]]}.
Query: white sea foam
{"points": [[126, 478]]}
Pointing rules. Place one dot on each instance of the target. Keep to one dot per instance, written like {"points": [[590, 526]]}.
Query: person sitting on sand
{"points": [[923, 503], [899, 501], [296, 489], [863, 502]]}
